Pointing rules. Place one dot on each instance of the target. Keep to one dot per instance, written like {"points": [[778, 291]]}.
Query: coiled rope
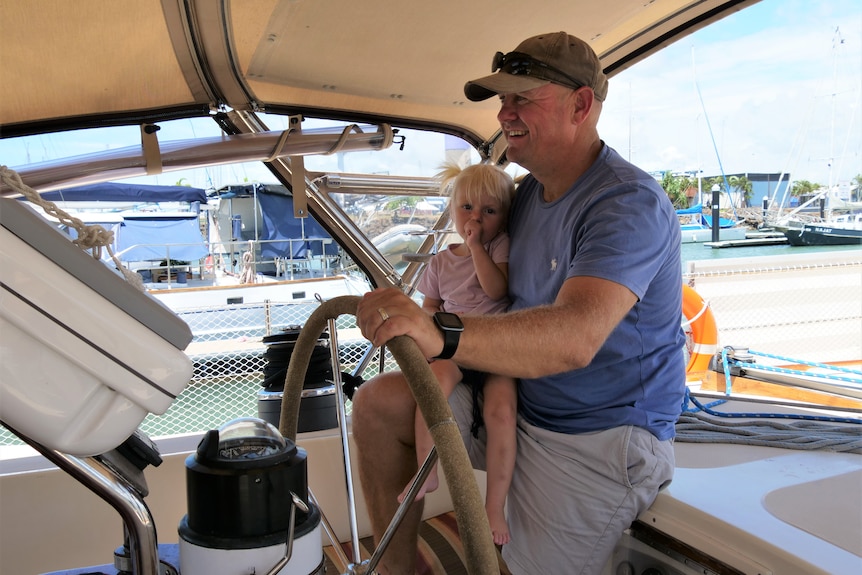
{"points": [[90, 237], [247, 276], [702, 424]]}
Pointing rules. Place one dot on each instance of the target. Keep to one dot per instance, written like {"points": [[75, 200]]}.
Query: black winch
{"points": [[317, 408]]}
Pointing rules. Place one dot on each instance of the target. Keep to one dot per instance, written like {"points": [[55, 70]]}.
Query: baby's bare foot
{"points": [[432, 482], [499, 527]]}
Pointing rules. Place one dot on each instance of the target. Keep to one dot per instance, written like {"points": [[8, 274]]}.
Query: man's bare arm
{"points": [[534, 342]]}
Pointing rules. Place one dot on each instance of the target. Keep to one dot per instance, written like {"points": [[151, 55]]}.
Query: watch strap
{"points": [[451, 336]]}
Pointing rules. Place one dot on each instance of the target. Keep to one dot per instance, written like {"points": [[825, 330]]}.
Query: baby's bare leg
{"points": [[448, 375], [499, 412]]}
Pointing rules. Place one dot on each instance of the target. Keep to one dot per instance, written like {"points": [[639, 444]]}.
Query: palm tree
{"points": [[742, 186], [739, 186], [804, 188]]}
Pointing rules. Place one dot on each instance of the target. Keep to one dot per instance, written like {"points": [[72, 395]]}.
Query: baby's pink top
{"points": [[452, 279]]}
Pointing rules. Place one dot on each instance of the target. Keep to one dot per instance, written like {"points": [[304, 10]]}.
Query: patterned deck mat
{"points": [[440, 550]]}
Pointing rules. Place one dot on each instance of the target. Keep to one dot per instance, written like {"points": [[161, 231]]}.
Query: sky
{"points": [[755, 93], [774, 88]]}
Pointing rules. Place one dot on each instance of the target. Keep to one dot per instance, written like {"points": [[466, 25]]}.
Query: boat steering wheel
{"points": [[480, 553]]}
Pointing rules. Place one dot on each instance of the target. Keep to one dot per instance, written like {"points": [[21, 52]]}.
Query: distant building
{"points": [[763, 186]]}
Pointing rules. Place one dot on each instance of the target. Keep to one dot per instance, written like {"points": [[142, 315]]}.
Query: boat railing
{"points": [[278, 259], [807, 306]]}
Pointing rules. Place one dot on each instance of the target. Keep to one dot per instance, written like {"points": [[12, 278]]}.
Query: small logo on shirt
{"points": [[553, 264]]}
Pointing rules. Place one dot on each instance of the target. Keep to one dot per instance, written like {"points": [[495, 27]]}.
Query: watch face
{"points": [[448, 321]]}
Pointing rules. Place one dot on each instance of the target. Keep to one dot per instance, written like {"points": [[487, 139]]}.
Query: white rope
{"points": [[696, 316], [247, 274], [90, 237]]}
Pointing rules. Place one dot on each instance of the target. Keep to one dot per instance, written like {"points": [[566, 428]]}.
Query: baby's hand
{"points": [[473, 233]]}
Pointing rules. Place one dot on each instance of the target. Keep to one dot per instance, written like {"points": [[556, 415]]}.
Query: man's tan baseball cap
{"points": [[558, 57]]}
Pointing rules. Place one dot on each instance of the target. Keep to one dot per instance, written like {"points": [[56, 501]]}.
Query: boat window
{"points": [[735, 98], [246, 222]]}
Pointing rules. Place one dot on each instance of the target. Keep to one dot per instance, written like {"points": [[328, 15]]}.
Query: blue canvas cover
{"points": [[695, 209], [168, 237], [113, 192], [279, 224], [704, 219], [175, 236], [722, 222]]}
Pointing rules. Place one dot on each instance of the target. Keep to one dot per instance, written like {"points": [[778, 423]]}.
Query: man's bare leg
{"points": [[383, 428], [424, 443]]}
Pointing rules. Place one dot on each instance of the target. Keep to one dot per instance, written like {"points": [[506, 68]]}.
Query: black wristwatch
{"points": [[451, 326]]}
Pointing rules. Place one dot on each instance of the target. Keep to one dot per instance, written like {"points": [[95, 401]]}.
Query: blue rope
{"points": [[726, 364], [698, 406]]}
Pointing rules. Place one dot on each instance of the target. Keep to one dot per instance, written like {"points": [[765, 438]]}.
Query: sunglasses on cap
{"points": [[520, 64]]}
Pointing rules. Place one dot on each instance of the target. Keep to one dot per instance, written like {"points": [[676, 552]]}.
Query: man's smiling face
{"points": [[536, 124]]}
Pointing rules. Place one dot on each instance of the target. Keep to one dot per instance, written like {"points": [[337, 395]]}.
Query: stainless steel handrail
{"points": [[105, 482]]}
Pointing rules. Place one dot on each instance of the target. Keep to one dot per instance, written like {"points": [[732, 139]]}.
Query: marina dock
{"points": [[751, 239]]}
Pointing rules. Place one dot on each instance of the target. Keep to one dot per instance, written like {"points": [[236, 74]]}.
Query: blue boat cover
{"points": [[113, 192], [280, 224], [172, 237], [722, 222], [695, 209], [183, 233], [154, 239], [704, 219]]}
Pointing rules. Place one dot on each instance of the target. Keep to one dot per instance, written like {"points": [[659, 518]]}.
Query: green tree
{"points": [[401, 202], [709, 184], [857, 193], [675, 187], [742, 186], [803, 188]]}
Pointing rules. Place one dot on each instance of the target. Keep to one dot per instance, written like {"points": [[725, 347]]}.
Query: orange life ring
{"points": [[701, 332], [208, 263]]}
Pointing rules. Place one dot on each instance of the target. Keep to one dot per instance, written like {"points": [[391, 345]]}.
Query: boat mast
{"points": [[711, 135]]}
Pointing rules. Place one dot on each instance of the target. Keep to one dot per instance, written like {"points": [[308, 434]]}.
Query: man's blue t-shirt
{"points": [[615, 223]]}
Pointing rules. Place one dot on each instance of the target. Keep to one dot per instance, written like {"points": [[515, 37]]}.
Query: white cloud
{"points": [[766, 81]]}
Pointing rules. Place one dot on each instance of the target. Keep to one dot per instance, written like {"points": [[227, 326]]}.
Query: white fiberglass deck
{"points": [[765, 510]]}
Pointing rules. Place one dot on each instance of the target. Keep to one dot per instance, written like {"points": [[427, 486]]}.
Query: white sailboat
{"points": [[837, 219]]}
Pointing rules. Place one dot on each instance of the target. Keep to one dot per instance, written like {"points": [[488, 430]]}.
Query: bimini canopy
{"points": [[100, 62]]}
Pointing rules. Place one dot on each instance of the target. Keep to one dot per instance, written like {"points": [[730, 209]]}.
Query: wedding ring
{"points": [[383, 313]]}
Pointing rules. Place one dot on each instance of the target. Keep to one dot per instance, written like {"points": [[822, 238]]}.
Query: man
{"points": [[594, 333]]}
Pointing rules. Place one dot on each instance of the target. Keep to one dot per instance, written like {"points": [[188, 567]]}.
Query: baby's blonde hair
{"points": [[478, 180]]}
